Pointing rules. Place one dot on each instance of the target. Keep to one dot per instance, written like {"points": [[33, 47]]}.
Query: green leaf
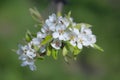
{"points": [[28, 36], [14, 50], [36, 15], [34, 35], [46, 40], [69, 47], [78, 26], [69, 14], [76, 51], [39, 57], [75, 57], [38, 25], [54, 53], [87, 25], [36, 48], [66, 59], [65, 51], [49, 51], [98, 48]]}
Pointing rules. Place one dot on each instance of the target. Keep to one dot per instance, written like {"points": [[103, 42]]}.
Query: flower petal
{"points": [[79, 45], [56, 44], [73, 43], [55, 35]]}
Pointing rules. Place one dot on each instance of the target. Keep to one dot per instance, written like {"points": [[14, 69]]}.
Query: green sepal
{"points": [[97, 47], [46, 40]]}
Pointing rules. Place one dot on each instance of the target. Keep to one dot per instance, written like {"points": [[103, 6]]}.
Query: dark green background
{"points": [[104, 15]]}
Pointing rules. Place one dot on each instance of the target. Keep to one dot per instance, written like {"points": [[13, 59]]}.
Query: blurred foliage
{"points": [[104, 15]]}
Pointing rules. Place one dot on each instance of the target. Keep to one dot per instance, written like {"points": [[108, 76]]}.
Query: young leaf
{"points": [[87, 25], [46, 40], [28, 36], [76, 51], [54, 53], [98, 48], [36, 15], [75, 57], [36, 48], [39, 57], [69, 14], [78, 26], [34, 35], [69, 47], [49, 51], [66, 59], [65, 51]]}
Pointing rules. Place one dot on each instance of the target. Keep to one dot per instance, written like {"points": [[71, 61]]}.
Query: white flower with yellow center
{"points": [[85, 37], [60, 34], [60, 29], [73, 34]]}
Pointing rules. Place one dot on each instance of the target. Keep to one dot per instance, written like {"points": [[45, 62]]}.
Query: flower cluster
{"points": [[57, 35]]}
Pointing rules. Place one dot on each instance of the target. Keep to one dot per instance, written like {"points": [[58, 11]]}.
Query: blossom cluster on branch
{"points": [[57, 35]]}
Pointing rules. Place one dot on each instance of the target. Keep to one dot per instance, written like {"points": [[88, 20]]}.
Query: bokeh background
{"points": [[104, 15]]}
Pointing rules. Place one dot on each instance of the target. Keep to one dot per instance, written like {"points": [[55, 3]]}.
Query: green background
{"points": [[104, 15]]}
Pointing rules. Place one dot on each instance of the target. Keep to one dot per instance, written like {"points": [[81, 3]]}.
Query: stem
{"points": [[59, 8]]}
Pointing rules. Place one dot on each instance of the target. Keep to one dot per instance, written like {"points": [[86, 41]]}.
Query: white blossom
{"points": [[37, 40], [60, 34], [41, 35], [46, 29], [85, 30], [73, 36], [56, 44], [80, 41], [63, 21], [27, 55], [42, 49], [30, 63], [85, 37], [51, 22], [61, 29], [31, 54], [82, 37]]}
